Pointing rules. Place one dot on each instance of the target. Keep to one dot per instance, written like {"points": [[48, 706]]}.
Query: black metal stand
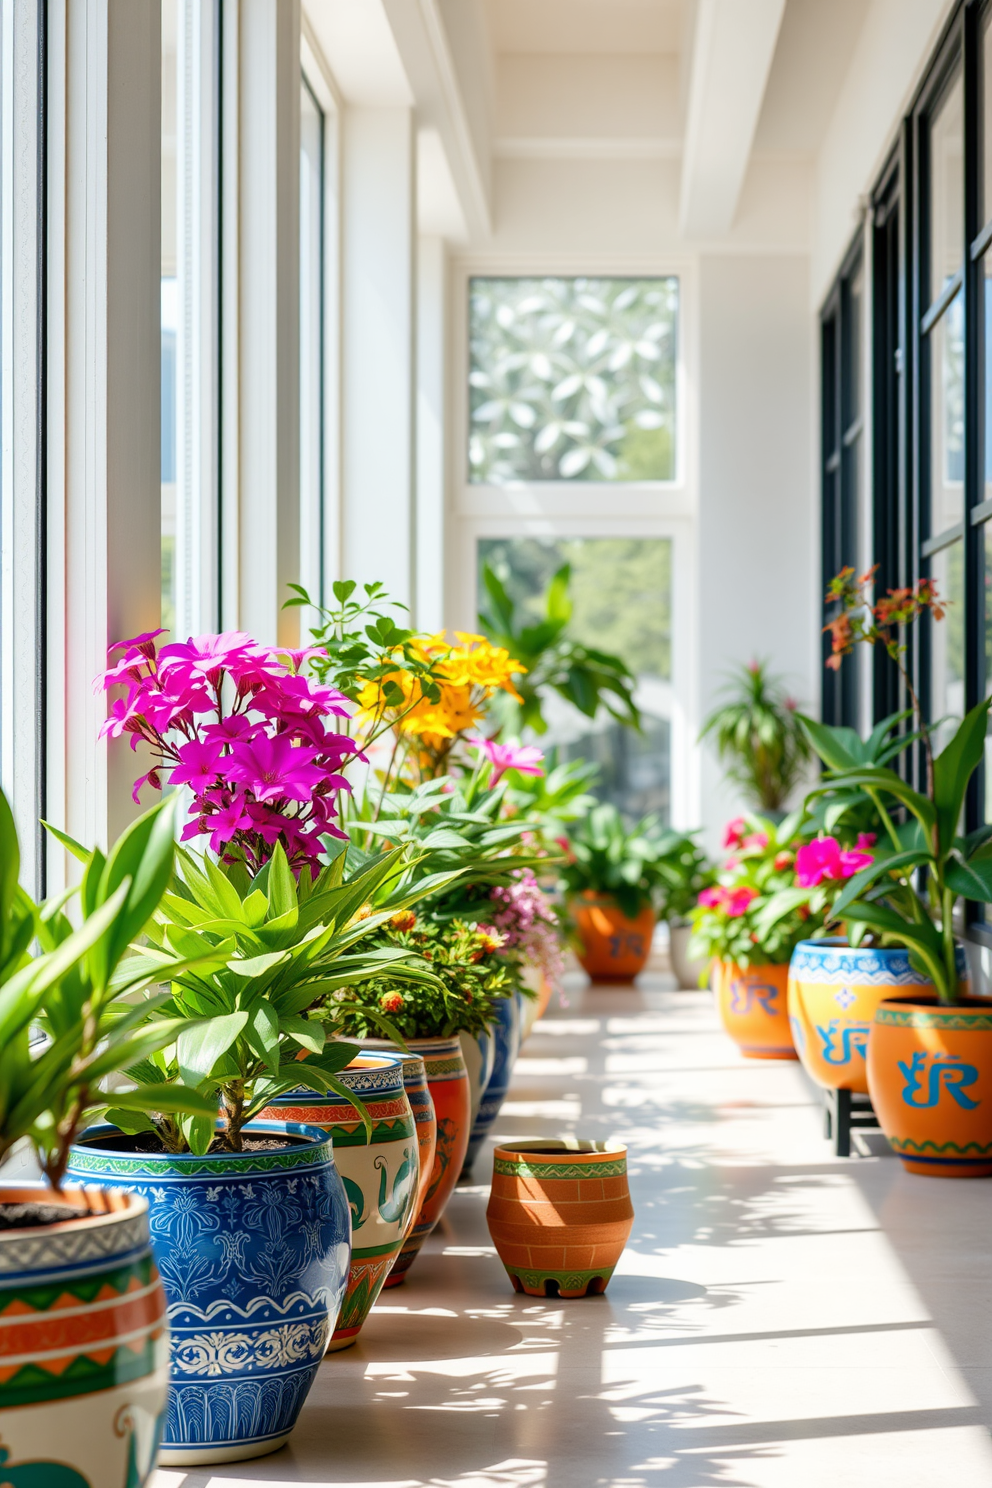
{"points": [[842, 1111]]}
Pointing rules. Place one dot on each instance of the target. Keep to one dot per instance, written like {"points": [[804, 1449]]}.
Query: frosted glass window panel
{"points": [[946, 343], [947, 188], [947, 644], [169, 309], [572, 380], [621, 591]]}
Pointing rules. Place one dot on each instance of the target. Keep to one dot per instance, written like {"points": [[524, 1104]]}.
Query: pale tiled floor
{"points": [[780, 1319]]}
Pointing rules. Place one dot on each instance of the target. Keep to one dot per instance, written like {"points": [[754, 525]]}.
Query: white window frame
{"points": [[560, 509]]}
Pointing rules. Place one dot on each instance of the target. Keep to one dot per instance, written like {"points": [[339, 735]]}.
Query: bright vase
{"points": [[84, 1346], [253, 1248], [753, 1006], [447, 1081], [479, 1054], [505, 1036], [835, 991], [930, 1081], [381, 1175], [560, 1214], [614, 948]]}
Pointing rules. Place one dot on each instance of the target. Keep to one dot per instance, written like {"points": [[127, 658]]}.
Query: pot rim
{"points": [[312, 1138], [929, 1003], [30, 1191], [569, 1149]]}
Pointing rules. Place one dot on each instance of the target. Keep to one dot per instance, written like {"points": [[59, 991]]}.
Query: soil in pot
{"points": [[30, 1216]]}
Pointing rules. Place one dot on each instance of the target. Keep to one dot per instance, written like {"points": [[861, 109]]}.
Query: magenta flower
{"points": [[274, 767], [198, 765], [712, 898], [733, 836], [824, 859], [731, 902], [227, 822], [523, 757]]}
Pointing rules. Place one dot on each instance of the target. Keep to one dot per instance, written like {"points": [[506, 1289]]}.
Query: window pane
{"points": [[947, 643], [621, 591], [947, 188], [985, 207], [169, 311], [946, 342], [987, 554], [572, 379], [311, 340]]}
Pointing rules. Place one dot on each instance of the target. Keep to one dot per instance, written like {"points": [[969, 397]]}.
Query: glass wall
{"points": [[169, 306]]}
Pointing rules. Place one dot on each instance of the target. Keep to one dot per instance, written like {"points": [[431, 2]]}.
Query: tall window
{"points": [[311, 342], [169, 306], [573, 379]]}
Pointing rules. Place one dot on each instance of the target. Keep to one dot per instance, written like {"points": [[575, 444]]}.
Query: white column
{"points": [[104, 506], [379, 348], [260, 355], [431, 503], [22, 692]]}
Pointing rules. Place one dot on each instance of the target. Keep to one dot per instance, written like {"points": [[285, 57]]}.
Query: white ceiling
{"points": [[587, 26], [815, 47]]}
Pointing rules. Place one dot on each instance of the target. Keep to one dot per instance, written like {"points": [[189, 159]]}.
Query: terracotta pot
{"points": [[560, 1214], [614, 949], [84, 1344], [834, 992], [415, 1085], [381, 1177], [687, 969], [753, 1006], [447, 1081], [930, 1081]]}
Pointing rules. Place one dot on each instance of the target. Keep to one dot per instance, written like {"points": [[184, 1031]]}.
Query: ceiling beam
{"points": [[733, 46]]}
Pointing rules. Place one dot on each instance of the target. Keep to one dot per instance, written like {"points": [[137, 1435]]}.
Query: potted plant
{"points": [[751, 960], [83, 1333], [759, 738], [612, 880], [929, 1056], [684, 872]]}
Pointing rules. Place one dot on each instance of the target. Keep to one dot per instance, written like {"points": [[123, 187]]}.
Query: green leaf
{"points": [[972, 880], [256, 966], [198, 1048], [167, 1099], [954, 767], [308, 1035], [881, 867], [76, 849], [282, 887]]}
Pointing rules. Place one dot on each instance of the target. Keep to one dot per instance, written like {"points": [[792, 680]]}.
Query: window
{"points": [[573, 379], [169, 308], [621, 592], [311, 342]]}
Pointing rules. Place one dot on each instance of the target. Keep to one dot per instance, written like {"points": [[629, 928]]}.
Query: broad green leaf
{"points": [[882, 866], [199, 1047], [954, 767], [256, 966], [167, 1099]]}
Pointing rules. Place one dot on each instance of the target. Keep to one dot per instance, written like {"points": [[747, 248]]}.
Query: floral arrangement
{"points": [[246, 731], [466, 961], [728, 922], [528, 926]]}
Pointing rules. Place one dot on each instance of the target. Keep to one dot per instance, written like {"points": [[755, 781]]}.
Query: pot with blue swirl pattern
{"points": [[253, 1249]]}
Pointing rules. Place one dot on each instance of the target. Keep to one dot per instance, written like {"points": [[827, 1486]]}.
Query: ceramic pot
{"points": [[417, 1093], [253, 1248], [687, 969], [753, 1007], [834, 992], [381, 1177], [560, 1214], [84, 1345], [614, 949], [505, 1038], [532, 1008], [479, 1054], [930, 1082], [447, 1081]]}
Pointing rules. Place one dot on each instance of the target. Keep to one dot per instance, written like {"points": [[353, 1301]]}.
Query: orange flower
{"points": [[405, 920]]}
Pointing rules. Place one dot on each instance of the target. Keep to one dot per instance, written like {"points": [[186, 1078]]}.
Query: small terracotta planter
{"points": [[930, 1081], [560, 1215], [614, 949], [753, 1006]]}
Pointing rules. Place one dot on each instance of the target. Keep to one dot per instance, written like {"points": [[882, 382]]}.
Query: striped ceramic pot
{"points": [[479, 1054], [381, 1176], [835, 991], [447, 1081], [253, 1248], [415, 1085], [560, 1214], [505, 1039], [84, 1346]]}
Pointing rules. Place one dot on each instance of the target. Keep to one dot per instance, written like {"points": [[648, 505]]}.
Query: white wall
{"points": [[758, 579]]}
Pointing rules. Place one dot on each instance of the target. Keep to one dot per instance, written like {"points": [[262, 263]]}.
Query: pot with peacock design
{"points": [[381, 1176]]}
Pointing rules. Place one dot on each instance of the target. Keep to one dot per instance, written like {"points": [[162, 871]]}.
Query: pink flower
{"points": [[274, 767], [738, 900], [712, 898], [523, 757], [866, 840], [152, 778], [757, 839], [823, 859], [138, 643], [202, 658], [297, 659], [734, 835], [223, 824], [197, 766]]}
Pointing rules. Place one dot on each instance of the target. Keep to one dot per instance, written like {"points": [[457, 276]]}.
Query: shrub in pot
{"points": [[759, 738], [929, 1058], [750, 961], [83, 1333], [612, 879]]}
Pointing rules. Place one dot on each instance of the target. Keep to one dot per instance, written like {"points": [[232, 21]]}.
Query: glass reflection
{"points": [[947, 644]]}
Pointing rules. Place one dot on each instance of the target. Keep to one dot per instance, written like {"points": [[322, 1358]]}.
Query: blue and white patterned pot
{"points": [[253, 1249], [505, 1037]]}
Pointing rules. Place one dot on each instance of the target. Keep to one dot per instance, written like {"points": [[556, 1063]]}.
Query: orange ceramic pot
{"points": [[930, 1081], [753, 1006], [447, 1081], [835, 991], [560, 1215], [614, 949]]}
